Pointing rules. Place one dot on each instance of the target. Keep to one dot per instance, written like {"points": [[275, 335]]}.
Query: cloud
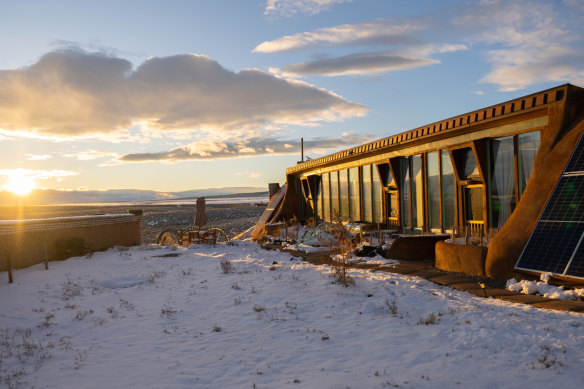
{"points": [[234, 148], [72, 93], [39, 174], [90, 155], [384, 32], [408, 52], [527, 42], [289, 8], [249, 174], [360, 63], [36, 157]]}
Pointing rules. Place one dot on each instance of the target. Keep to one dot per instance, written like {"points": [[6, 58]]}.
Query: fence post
{"points": [[10, 279], [46, 255]]}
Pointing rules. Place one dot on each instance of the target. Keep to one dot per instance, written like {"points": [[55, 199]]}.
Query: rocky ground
{"points": [[232, 218]]}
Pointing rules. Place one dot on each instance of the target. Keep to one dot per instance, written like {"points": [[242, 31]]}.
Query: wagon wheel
{"points": [[221, 235], [168, 237]]}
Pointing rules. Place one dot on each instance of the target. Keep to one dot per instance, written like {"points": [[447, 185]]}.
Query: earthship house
{"points": [[486, 173]]}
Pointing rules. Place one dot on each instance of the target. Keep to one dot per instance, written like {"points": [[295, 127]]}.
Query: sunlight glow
{"points": [[19, 184]]}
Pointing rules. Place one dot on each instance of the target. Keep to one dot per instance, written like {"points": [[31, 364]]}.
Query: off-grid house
{"points": [[489, 173]]}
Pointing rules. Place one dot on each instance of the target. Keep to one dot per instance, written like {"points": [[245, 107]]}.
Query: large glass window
{"points": [[447, 190], [502, 180], [326, 199], [355, 206], [405, 191], [344, 193], [366, 194], [377, 203], [417, 192], [335, 211], [318, 200], [473, 203], [527, 145], [433, 189]]}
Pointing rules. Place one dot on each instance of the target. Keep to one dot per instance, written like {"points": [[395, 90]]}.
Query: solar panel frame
{"points": [[556, 244]]}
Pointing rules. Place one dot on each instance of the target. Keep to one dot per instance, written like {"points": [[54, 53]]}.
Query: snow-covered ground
{"points": [[151, 317]]}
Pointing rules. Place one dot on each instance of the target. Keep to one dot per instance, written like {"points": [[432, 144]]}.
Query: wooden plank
{"points": [[269, 211]]}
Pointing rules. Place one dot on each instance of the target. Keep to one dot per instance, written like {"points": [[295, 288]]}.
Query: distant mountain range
{"points": [[50, 196]]}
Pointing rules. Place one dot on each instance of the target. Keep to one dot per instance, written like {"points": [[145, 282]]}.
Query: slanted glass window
{"points": [[335, 195], [502, 180], [417, 192], [385, 175], [470, 170], [344, 193], [355, 206], [377, 204], [405, 191], [366, 194], [527, 144], [326, 197], [433, 172], [447, 190]]}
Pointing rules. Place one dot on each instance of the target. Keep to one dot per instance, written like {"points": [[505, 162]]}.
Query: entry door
{"points": [[392, 208]]}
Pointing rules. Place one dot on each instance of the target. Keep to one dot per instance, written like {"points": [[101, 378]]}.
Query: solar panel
{"points": [[556, 244], [576, 163], [576, 268]]}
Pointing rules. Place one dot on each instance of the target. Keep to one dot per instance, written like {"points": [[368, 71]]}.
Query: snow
{"points": [[161, 317], [544, 289]]}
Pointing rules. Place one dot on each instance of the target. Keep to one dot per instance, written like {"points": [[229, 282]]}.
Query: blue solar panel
{"points": [[567, 201], [576, 163], [556, 244], [576, 268], [550, 247]]}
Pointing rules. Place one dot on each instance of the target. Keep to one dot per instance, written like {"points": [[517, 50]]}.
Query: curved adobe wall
{"points": [[557, 143]]}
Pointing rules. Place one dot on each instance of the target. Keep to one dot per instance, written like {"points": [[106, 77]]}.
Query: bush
{"points": [[226, 267]]}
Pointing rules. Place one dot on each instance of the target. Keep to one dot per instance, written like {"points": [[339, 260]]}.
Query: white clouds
{"points": [[36, 157], [90, 155], [528, 42], [37, 174], [288, 8], [235, 148], [247, 173], [74, 93], [380, 32], [354, 64], [408, 50]]}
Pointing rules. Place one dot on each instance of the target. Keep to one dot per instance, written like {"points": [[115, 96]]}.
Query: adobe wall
{"points": [[460, 258], [30, 242], [557, 143]]}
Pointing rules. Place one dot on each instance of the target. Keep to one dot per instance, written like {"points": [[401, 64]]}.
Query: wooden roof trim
{"points": [[507, 108]]}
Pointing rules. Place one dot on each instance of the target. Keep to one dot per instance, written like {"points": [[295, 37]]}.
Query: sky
{"points": [[180, 95]]}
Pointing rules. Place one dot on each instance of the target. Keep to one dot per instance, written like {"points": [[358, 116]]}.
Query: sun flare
{"points": [[19, 184]]}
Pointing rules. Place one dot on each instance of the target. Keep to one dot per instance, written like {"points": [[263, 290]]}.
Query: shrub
{"points": [[226, 267]]}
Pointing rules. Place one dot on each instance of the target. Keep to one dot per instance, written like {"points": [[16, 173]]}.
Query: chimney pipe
{"points": [[302, 149]]}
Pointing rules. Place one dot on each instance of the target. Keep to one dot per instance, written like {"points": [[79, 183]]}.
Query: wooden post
{"points": [[10, 279], [46, 255]]}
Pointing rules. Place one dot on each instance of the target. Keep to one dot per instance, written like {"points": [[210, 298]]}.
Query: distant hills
{"points": [[50, 196]]}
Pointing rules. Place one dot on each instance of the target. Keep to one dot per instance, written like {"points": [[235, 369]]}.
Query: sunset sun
{"points": [[19, 184]]}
